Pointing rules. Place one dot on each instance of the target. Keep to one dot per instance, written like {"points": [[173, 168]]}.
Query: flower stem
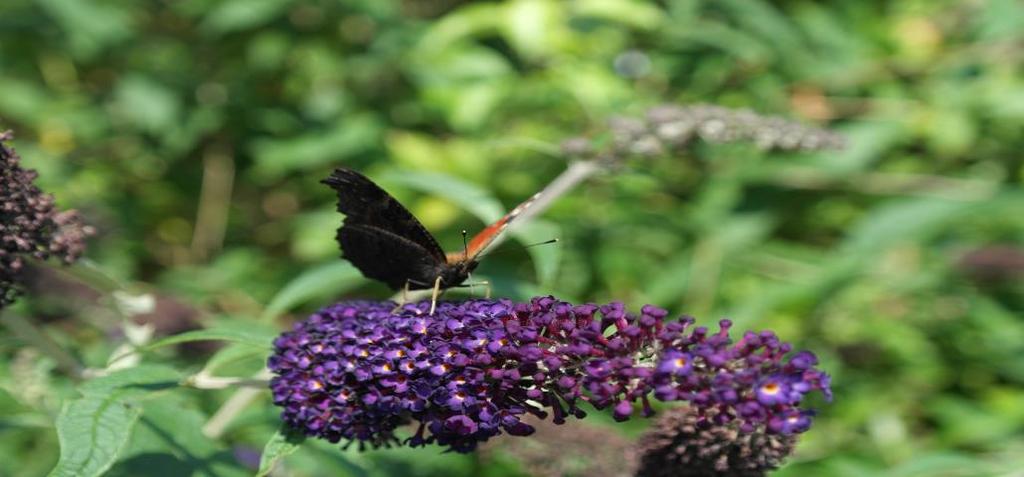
{"points": [[206, 381], [231, 408]]}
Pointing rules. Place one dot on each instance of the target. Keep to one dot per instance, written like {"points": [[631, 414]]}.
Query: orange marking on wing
{"points": [[480, 241]]}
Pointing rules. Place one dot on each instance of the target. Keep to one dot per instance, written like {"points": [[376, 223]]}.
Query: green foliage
{"points": [[283, 443], [193, 135], [93, 431], [95, 428]]}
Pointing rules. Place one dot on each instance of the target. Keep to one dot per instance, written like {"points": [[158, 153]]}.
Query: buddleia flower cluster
{"points": [[31, 227], [357, 371], [670, 127]]}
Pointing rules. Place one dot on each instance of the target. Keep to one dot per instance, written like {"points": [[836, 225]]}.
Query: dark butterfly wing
{"points": [[380, 237], [364, 203], [388, 257]]}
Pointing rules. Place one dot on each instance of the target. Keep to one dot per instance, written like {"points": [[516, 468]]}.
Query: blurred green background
{"points": [[193, 134]]}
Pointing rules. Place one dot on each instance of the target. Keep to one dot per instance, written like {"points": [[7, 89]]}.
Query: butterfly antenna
{"points": [[546, 242], [465, 244]]}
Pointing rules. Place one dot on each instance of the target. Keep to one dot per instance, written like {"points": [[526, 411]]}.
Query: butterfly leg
{"points": [[405, 297], [485, 283], [433, 298]]}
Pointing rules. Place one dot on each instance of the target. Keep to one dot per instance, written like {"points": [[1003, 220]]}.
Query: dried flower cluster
{"points": [[473, 369], [993, 264], [671, 127], [681, 444], [678, 443], [30, 224]]}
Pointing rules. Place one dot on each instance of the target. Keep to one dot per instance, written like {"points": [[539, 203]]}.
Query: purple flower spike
{"points": [[472, 370]]}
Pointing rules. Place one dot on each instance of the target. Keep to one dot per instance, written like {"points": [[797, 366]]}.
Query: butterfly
{"points": [[386, 242]]}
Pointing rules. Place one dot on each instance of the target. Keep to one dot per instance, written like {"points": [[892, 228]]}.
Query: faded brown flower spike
{"points": [[31, 226], [681, 444]]}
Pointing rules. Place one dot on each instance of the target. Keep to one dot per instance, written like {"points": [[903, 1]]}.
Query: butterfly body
{"points": [[386, 242]]}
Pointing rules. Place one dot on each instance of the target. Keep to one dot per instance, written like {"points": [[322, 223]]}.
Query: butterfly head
{"points": [[457, 269], [462, 261]]}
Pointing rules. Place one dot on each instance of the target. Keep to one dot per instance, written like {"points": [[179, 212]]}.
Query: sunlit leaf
{"points": [[635, 14], [318, 282], [246, 332], [282, 444], [147, 103], [133, 381], [474, 199], [90, 25], [234, 15], [344, 139], [546, 258], [93, 431], [231, 354], [534, 26], [169, 441], [465, 22]]}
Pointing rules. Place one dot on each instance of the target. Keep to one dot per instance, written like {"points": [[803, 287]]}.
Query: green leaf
{"points": [[284, 442], [147, 103], [669, 283], [462, 24], [247, 332], [731, 41], [169, 441], [92, 432], [329, 279], [764, 19], [471, 197], [938, 463], [545, 258], [867, 142], [309, 243], [231, 354], [235, 15], [474, 103], [132, 381], [23, 101], [903, 220], [91, 26], [346, 138], [635, 14], [319, 457], [533, 27]]}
